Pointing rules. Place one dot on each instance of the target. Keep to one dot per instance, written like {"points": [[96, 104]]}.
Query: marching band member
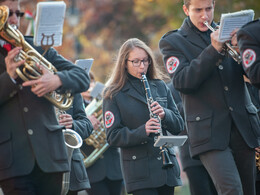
{"points": [[105, 174], [222, 123], [129, 126], [199, 179], [249, 46], [32, 146]]}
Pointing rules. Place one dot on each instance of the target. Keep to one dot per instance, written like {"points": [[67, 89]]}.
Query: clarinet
{"points": [[164, 151]]}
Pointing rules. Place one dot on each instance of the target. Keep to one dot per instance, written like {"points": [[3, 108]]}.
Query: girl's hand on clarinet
{"points": [[152, 126], [158, 110]]}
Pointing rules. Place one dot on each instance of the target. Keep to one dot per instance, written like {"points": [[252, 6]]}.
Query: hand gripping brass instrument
{"points": [[72, 141], [29, 70], [231, 51], [164, 151]]}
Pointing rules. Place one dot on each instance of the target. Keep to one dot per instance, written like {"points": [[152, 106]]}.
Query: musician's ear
{"points": [[186, 10]]}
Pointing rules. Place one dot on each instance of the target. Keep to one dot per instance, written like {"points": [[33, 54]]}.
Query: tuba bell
{"points": [[97, 140], [29, 70]]}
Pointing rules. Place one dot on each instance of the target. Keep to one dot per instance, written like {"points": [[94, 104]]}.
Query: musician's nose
{"points": [[13, 20], [204, 15]]}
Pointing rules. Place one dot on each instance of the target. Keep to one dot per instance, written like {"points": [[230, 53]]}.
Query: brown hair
{"points": [[187, 2], [119, 75]]}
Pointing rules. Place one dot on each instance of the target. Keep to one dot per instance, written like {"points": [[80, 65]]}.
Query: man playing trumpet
{"points": [[222, 122]]}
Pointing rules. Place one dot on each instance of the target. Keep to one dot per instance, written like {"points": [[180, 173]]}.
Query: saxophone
{"points": [[164, 151], [72, 141]]}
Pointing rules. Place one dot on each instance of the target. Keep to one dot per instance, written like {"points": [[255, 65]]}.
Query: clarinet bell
{"points": [[167, 163]]}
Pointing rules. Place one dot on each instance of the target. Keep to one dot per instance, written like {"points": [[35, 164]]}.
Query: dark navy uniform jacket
{"points": [[125, 128], [30, 132], [249, 44], [212, 89]]}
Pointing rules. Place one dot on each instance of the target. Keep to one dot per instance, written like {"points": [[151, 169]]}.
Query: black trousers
{"points": [[163, 190], [106, 187], [233, 170], [36, 183], [200, 181]]}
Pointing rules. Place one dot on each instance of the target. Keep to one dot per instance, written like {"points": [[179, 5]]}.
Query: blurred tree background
{"points": [[97, 28]]}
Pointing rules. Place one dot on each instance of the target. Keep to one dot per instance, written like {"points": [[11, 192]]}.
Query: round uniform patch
{"points": [[172, 64], [109, 119], [249, 57]]}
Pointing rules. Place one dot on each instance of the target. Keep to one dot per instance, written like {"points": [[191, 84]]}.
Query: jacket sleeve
{"points": [[81, 124], [172, 121], [118, 134], [74, 79], [190, 72]]}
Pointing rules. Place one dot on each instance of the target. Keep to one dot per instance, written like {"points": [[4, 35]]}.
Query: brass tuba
{"points": [[97, 139], [29, 70]]}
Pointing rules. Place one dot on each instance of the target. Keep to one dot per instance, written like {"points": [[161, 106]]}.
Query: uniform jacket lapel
{"points": [[191, 36], [153, 89], [129, 90]]}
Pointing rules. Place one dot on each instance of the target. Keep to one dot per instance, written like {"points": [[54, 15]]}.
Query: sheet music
{"points": [[231, 21], [85, 64], [49, 22]]}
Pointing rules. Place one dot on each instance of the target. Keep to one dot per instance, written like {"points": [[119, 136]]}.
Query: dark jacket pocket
{"points": [[77, 166], [254, 119], [56, 142], [135, 165], [5, 150], [199, 128]]}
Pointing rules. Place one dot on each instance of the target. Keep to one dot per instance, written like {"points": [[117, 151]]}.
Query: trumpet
{"points": [[231, 51]]}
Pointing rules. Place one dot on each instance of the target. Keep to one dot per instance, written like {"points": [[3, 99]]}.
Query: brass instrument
{"points": [[72, 141], [231, 51], [257, 160], [97, 139], [164, 151], [29, 70]]}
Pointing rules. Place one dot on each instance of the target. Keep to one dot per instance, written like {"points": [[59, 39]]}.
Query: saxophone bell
{"points": [[72, 141]]}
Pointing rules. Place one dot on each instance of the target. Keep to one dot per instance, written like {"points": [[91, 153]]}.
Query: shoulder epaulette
{"points": [[169, 32]]}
